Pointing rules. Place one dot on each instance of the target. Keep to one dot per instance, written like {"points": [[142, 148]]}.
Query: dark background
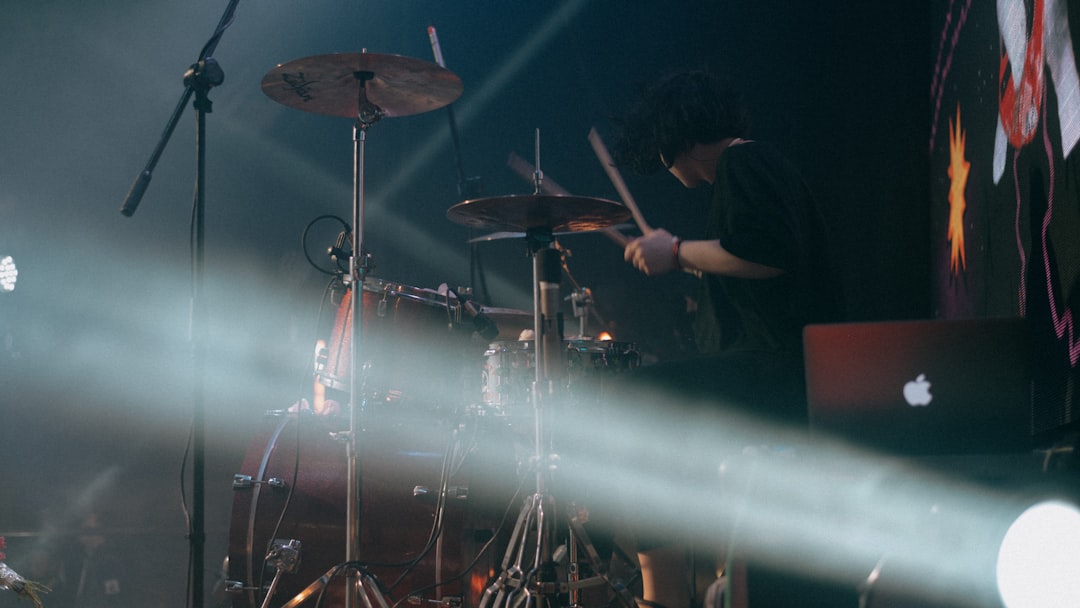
{"points": [[95, 383]]}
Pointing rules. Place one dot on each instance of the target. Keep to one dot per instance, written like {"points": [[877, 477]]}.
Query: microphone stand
{"points": [[203, 75]]}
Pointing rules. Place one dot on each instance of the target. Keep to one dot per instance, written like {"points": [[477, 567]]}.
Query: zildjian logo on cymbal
{"points": [[298, 84]]}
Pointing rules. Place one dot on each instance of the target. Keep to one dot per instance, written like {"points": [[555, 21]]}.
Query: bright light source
{"points": [[8, 273], [1039, 561]]}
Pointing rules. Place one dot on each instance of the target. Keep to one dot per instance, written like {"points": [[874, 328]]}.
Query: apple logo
{"points": [[917, 392]]}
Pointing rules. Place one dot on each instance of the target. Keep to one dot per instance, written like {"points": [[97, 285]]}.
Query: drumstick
{"points": [[523, 168], [617, 180], [549, 186]]}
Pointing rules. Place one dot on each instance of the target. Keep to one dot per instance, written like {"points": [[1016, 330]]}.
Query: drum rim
{"points": [[572, 344], [416, 294]]}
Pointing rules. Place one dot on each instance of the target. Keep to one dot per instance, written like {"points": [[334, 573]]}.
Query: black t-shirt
{"points": [[749, 331], [762, 211]]}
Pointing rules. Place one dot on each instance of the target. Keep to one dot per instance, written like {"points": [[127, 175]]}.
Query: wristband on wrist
{"points": [[676, 244]]}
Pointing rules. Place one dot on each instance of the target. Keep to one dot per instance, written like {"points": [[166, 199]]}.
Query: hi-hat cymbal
{"points": [[521, 213], [330, 84], [503, 235]]}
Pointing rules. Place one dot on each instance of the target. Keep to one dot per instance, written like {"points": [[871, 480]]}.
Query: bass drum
{"points": [[293, 487]]}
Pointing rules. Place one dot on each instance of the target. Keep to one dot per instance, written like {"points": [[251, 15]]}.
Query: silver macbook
{"points": [[922, 387]]}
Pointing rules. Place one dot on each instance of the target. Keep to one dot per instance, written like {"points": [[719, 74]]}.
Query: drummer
{"points": [[762, 261]]}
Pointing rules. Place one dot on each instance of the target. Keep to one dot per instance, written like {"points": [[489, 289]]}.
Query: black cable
{"points": [[479, 554], [297, 435], [335, 250]]}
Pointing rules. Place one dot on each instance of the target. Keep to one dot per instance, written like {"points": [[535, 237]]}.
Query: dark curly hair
{"points": [[680, 110]]}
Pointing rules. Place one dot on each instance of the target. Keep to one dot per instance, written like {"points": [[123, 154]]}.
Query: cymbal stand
{"points": [[521, 584], [530, 566], [368, 114], [533, 538], [360, 588]]}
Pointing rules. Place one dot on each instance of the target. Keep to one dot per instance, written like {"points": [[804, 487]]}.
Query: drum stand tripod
{"points": [[522, 583], [533, 556], [365, 87], [360, 588], [355, 581]]}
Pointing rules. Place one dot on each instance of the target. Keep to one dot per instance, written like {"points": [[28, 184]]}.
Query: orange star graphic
{"points": [[958, 173]]}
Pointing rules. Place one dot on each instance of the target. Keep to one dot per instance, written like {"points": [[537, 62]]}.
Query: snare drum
{"points": [[510, 369], [412, 344], [508, 373]]}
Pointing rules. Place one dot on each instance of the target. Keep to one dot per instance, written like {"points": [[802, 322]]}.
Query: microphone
{"points": [[481, 323], [337, 252], [135, 194]]}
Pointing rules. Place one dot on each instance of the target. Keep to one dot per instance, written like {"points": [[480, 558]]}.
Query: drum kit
{"points": [[409, 505]]}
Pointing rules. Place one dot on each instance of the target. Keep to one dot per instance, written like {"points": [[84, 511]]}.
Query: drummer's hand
{"points": [[652, 253]]}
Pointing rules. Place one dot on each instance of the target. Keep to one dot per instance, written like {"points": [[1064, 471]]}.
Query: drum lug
{"points": [[340, 436], [451, 601], [424, 494], [243, 482], [234, 587]]}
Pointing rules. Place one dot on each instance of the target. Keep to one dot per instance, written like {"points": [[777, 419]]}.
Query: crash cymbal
{"points": [[499, 236], [330, 84], [521, 213]]}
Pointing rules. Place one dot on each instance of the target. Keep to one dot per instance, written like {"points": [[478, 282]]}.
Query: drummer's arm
{"points": [[658, 252], [710, 257]]}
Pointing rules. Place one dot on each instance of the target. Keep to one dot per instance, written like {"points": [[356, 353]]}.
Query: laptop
{"points": [[930, 387]]}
